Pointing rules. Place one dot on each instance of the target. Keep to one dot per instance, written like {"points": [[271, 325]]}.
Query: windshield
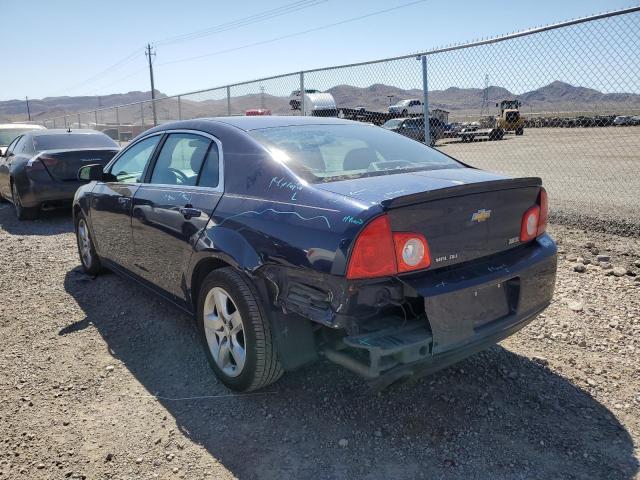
{"points": [[7, 135], [325, 153], [394, 122], [71, 140], [403, 103]]}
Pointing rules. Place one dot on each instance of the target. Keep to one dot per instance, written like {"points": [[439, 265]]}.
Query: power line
{"points": [[258, 17], [262, 16], [271, 40], [120, 63]]}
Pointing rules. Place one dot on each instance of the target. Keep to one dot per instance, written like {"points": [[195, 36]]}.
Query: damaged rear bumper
{"points": [[466, 309], [433, 364]]}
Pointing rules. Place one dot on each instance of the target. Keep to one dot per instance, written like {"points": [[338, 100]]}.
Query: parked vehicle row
{"points": [[39, 168]]}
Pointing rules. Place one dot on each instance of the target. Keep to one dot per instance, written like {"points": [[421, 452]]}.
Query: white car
{"points": [[9, 131], [411, 106]]}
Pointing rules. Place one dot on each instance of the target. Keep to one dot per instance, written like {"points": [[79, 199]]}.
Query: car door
{"points": [[415, 107], [111, 201], [5, 168], [173, 206]]}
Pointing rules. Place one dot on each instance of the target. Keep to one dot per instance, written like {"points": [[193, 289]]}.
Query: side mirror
{"points": [[89, 173]]}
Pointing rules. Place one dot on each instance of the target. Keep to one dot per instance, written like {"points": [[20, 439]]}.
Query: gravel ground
{"points": [[591, 173], [101, 380]]}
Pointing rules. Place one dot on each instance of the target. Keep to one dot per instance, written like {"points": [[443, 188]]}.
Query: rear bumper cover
{"points": [[34, 193], [468, 308], [438, 362]]}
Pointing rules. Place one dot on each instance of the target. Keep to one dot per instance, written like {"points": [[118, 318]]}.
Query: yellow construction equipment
{"points": [[510, 119]]}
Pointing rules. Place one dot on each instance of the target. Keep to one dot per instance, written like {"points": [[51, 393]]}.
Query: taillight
{"points": [[529, 226], [373, 253], [543, 202], [39, 162], [534, 220], [377, 252], [412, 251]]}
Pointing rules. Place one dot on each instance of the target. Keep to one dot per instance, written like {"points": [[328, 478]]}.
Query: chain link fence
{"points": [[561, 102]]}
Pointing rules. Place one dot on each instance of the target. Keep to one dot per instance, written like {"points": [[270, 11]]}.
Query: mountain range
{"points": [[555, 97]]}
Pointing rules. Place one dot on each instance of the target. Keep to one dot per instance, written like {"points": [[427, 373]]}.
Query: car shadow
{"points": [[495, 415], [51, 222]]}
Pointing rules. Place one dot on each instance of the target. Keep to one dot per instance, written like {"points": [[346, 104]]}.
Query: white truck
{"points": [[410, 106]]}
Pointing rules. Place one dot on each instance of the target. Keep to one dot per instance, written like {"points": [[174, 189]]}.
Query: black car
{"points": [[39, 169], [293, 237], [413, 127]]}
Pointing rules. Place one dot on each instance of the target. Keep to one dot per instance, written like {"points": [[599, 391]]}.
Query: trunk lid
{"points": [[463, 213], [63, 165]]}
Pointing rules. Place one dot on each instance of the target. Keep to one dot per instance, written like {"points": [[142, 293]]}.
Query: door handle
{"points": [[190, 212], [123, 200]]}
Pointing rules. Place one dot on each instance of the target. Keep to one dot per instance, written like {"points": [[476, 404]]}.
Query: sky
{"points": [[86, 47]]}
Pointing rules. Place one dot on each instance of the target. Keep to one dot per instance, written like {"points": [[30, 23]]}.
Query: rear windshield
{"points": [[71, 140], [325, 153], [7, 135]]}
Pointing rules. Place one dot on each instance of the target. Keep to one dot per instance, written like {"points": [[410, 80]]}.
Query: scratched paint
{"points": [[350, 219], [393, 194], [283, 183], [278, 212]]}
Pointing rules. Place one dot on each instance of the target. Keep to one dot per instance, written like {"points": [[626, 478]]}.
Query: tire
{"points": [[23, 213], [404, 113], [258, 366], [88, 257], [520, 131]]}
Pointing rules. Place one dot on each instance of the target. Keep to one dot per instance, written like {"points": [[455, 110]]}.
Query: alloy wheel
{"points": [[84, 243], [224, 331]]}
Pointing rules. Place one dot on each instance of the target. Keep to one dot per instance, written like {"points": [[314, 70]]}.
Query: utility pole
{"points": [[28, 111], [149, 53], [485, 96], [262, 99]]}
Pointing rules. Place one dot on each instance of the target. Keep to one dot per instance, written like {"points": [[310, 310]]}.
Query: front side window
{"points": [[129, 167], [325, 153], [180, 159]]}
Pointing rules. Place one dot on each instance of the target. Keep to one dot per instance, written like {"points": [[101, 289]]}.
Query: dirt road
{"points": [[101, 380]]}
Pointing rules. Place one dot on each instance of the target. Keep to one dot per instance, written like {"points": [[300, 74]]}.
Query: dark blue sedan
{"points": [[290, 238]]}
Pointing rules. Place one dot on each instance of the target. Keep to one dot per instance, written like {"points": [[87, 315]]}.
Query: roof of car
{"points": [[58, 131], [257, 122]]}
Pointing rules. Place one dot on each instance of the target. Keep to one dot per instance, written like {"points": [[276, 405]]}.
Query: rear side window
{"points": [[210, 173], [71, 140], [180, 159], [20, 146], [129, 167]]}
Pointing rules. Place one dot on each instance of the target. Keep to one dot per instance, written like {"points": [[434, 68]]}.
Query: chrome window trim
{"points": [[219, 188], [109, 165]]}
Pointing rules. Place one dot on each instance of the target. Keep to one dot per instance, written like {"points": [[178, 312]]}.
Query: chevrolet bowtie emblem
{"points": [[481, 215]]}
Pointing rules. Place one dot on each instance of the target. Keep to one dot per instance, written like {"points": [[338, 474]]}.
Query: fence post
{"points": [[302, 109], [229, 101], [118, 122], [142, 115], [65, 122], [425, 103], [79, 124], [179, 109], [95, 117]]}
